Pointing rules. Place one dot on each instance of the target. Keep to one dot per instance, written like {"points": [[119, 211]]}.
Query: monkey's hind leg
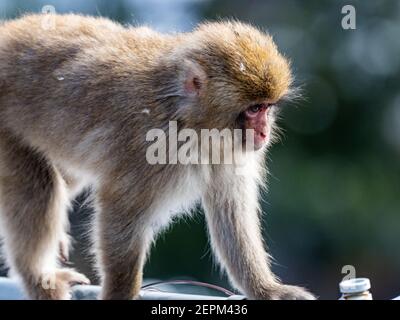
{"points": [[33, 215]]}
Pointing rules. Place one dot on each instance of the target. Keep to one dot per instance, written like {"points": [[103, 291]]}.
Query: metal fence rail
{"points": [[11, 290]]}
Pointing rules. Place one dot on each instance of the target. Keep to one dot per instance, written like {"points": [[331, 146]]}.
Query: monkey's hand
{"points": [[57, 285], [286, 292]]}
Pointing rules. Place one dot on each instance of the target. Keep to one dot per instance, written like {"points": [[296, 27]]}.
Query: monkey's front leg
{"points": [[234, 227]]}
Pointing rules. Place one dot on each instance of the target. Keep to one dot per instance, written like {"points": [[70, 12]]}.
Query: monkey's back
{"points": [[70, 74]]}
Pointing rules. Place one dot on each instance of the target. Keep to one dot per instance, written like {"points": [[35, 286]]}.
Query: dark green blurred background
{"points": [[334, 196]]}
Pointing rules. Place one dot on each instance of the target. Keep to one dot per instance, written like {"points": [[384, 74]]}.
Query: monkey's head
{"points": [[233, 76]]}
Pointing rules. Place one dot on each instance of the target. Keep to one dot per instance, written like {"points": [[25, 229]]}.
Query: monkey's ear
{"points": [[194, 78]]}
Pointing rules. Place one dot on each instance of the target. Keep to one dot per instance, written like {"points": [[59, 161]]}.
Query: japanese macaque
{"points": [[77, 98]]}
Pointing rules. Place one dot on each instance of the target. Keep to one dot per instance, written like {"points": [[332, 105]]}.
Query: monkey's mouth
{"points": [[259, 139]]}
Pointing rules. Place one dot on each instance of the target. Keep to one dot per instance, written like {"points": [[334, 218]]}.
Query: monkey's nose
{"points": [[263, 135]]}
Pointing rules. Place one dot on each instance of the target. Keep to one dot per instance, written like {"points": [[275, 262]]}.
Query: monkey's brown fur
{"points": [[71, 114]]}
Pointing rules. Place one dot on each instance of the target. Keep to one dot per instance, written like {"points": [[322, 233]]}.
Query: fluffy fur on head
{"points": [[239, 53], [236, 63]]}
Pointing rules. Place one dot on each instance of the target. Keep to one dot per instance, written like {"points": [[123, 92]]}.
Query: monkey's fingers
{"points": [[72, 277], [287, 292]]}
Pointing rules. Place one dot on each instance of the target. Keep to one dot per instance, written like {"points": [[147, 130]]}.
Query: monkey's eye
{"points": [[255, 108]]}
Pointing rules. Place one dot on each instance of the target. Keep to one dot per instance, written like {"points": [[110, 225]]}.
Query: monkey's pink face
{"points": [[258, 118]]}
